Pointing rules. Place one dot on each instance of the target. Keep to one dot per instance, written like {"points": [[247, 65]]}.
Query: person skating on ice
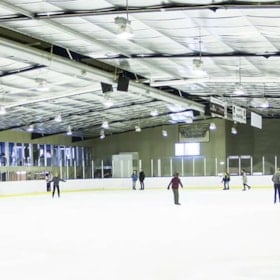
{"points": [[56, 179], [134, 178], [225, 180], [48, 178], [141, 179], [276, 182], [175, 183], [245, 180]]}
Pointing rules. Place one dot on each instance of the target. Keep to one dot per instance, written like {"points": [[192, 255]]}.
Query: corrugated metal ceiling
{"points": [[55, 54]]}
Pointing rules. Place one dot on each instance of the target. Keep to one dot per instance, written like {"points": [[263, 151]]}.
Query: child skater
{"points": [[174, 183], [55, 181]]}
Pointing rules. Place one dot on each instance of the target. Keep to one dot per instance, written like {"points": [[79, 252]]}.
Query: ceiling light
{"points": [[102, 134], [42, 86], [108, 102], [212, 126], [239, 90], [137, 128], [58, 118], [197, 69], [30, 128], [154, 113], [69, 130], [124, 28], [105, 124], [265, 103], [2, 110], [233, 130], [164, 133]]}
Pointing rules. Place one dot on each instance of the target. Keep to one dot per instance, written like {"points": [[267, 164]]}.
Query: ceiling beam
{"points": [[22, 14], [212, 79], [71, 67], [194, 54]]}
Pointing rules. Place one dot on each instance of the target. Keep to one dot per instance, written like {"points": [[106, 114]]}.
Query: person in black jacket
{"points": [[141, 179], [55, 181]]}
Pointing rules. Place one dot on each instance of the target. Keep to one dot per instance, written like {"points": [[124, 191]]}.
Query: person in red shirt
{"points": [[175, 183]]}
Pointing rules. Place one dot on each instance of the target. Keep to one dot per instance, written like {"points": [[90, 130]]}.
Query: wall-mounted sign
{"points": [[239, 114], [216, 108], [256, 120]]}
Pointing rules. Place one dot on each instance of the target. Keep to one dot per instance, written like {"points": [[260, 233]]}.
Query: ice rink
{"points": [[125, 234]]}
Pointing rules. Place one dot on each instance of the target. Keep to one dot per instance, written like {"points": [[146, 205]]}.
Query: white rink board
{"points": [[39, 186]]}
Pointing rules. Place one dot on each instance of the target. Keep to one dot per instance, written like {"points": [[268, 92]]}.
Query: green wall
{"points": [[150, 144], [262, 144], [25, 137]]}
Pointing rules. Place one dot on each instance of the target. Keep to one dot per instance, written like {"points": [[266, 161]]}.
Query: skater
{"points": [[134, 178], [55, 181], [141, 179], [225, 180], [48, 181], [276, 181], [245, 180], [174, 183]]}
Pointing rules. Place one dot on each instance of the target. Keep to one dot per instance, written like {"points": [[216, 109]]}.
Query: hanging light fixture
{"points": [[2, 110], [69, 130], [164, 133], [30, 128], [108, 102], [102, 134], [42, 85], [105, 124], [239, 90], [234, 130], [265, 103], [58, 118], [154, 113], [197, 68], [212, 126], [124, 26]]}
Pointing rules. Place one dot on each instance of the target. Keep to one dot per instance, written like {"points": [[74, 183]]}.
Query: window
{"points": [[187, 149]]}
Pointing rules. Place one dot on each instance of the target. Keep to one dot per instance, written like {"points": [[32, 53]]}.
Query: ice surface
{"points": [[215, 234]]}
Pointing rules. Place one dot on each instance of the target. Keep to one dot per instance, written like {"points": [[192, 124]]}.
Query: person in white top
{"points": [[245, 180]]}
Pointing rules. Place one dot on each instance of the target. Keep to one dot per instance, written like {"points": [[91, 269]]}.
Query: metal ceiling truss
{"points": [[22, 14], [81, 44]]}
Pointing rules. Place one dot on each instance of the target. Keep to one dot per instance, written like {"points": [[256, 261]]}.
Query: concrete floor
{"points": [[114, 235]]}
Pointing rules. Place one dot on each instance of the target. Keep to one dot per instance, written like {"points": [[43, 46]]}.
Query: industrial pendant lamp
{"points": [[124, 26], [197, 67], [212, 126], [265, 103], [239, 90]]}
